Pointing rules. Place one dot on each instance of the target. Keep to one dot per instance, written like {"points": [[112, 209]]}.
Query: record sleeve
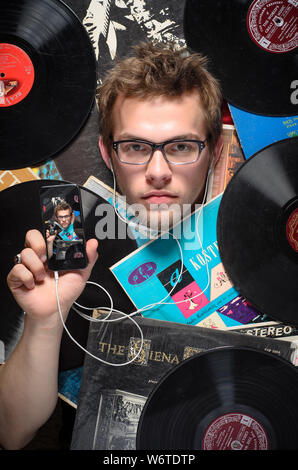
{"points": [[256, 132], [112, 397]]}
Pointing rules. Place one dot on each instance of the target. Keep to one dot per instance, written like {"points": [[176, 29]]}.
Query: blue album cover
{"points": [[256, 132], [197, 291]]}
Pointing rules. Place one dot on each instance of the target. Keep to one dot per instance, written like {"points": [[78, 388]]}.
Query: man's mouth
{"points": [[159, 197]]}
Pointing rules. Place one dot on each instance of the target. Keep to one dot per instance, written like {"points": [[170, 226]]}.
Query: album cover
{"points": [[106, 192], [255, 131], [48, 171], [111, 397], [118, 416], [69, 382], [198, 292], [271, 329], [204, 297], [115, 26], [230, 159], [10, 178], [118, 204]]}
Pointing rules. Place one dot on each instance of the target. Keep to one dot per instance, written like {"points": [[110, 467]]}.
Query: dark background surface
{"points": [[113, 30]]}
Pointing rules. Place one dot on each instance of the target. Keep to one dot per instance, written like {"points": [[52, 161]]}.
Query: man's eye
{"points": [[182, 147], [136, 147]]}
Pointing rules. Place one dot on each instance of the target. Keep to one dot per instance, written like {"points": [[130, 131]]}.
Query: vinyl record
{"points": [[257, 230], [47, 80], [20, 210], [223, 399], [252, 48]]}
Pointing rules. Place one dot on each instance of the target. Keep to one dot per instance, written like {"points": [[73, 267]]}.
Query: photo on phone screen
{"points": [[63, 227]]}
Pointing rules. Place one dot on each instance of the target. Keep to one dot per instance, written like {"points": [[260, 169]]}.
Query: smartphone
{"points": [[63, 227]]}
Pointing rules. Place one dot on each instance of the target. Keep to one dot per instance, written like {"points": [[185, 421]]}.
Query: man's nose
{"points": [[158, 171]]}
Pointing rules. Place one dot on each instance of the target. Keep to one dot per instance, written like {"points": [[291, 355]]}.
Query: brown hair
{"points": [[160, 70], [62, 206]]}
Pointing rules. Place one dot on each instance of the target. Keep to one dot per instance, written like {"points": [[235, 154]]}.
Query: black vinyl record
{"points": [[223, 399], [252, 48], [257, 230], [20, 209], [47, 80]]}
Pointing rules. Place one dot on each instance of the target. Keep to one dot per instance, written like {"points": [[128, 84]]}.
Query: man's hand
{"points": [[33, 284], [51, 238]]}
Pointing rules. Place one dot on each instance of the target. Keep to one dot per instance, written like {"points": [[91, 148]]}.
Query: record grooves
{"points": [[47, 80], [257, 230], [252, 48], [223, 399]]}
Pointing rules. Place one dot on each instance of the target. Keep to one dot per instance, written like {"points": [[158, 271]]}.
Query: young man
{"points": [[160, 120], [65, 217]]}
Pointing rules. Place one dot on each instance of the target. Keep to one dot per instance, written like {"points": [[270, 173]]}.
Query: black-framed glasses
{"points": [[62, 217], [176, 152]]}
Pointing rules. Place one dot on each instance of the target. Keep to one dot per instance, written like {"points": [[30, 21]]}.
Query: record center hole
{"points": [[2, 74]]}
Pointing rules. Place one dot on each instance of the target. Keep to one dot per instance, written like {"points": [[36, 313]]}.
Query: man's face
{"points": [[158, 182], [64, 218]]}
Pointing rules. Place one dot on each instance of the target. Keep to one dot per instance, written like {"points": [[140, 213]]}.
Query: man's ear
{"points": [[217, 151], [104, 153]]}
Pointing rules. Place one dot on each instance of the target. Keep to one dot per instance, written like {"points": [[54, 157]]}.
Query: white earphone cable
{"points": [[111, 309]]}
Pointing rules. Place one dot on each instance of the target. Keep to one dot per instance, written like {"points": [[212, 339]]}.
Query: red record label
{"points": [[292, 230], [273, 24], [235, 431], [16, 74]]}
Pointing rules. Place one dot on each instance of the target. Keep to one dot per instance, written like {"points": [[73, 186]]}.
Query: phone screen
{"points": [[63, 227]]}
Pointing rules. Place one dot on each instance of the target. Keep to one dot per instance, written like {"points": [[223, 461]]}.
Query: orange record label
{"points": [[16, 74], [273, 24]]}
